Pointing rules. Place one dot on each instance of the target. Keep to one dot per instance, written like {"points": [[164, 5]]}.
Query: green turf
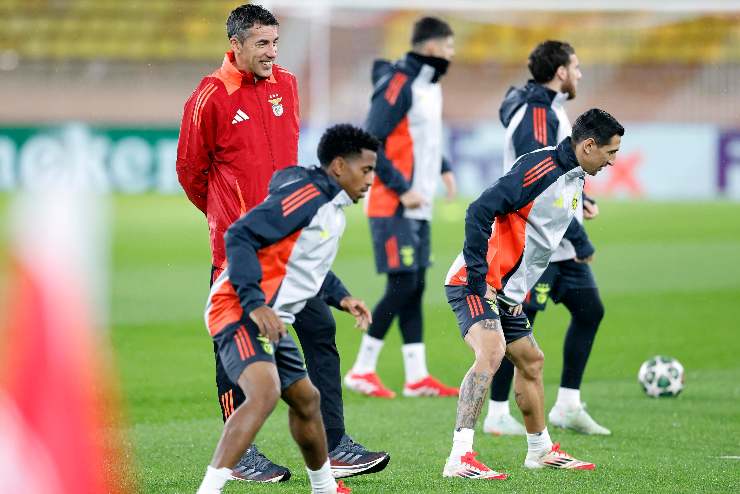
{"points": [[669, 274]]}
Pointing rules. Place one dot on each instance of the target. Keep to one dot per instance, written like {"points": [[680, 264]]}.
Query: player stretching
{"points": [[406, 115], [534, 117], [279, 256], [511, 231]]}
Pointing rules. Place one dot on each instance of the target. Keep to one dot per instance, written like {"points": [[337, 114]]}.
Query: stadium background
{"points": [[98, 87]]}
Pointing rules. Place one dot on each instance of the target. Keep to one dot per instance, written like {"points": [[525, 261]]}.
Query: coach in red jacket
{"points": [[239, 126]]}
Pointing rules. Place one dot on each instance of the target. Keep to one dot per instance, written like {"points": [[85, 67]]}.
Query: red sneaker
{"points": [[343, 489], [367, 384], [429, 386]]}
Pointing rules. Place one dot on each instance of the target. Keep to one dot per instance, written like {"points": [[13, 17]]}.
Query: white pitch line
{"points": [[727, 457]]}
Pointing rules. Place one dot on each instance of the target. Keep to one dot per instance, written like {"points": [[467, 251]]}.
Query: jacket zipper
{"points": [[264, 125]]}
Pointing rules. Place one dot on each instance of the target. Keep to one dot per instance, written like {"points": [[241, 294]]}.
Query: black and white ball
{"points": [[661, 376]]}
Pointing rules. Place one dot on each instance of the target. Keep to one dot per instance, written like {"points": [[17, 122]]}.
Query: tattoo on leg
{"points": [[492, 324], [532, 341], [472, 396], [518, 397]]}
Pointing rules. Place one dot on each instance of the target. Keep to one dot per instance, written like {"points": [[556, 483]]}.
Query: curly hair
{"points": [[344, 140], [547, 57]]}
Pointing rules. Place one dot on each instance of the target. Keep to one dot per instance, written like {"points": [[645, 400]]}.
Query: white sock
{"points": [[538, 442], [462, 442], [322, 481], [214, 480], [414, 362], [568, 398], [367, 357], [498, 408]]}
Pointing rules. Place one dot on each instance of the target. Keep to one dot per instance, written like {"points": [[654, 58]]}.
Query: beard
{"points": [[569, 88]]}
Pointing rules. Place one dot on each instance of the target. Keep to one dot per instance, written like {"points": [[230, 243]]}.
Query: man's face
{"points": [[572, 76], [258, 50], [442, 47], [595, 157], [355, 174]]}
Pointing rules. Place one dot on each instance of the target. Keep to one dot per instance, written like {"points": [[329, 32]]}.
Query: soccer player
{"points": [[406, 115], [534, 117], [279, 257], [239, 126], [511, 231]]}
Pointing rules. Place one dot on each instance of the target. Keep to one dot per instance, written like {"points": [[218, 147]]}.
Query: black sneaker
{"points": [[256, 467], [350, 458]]}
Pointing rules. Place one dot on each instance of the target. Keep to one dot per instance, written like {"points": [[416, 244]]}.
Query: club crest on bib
{"points": [[277, 107]]}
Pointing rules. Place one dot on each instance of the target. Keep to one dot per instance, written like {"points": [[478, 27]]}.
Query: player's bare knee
{"points": [[270, 397], [489, 350], [303, 398], [533, 364], [311, 403]]}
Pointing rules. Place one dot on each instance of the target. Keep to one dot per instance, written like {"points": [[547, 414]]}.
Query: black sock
{"points": [[400, 287], [410, 317], [586, 312]]}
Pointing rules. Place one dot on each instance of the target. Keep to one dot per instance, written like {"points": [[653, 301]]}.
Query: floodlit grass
{"points": [[669, 275]]}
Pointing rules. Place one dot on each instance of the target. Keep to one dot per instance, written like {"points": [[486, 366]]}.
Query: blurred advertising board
{"points": [[656, 161]]}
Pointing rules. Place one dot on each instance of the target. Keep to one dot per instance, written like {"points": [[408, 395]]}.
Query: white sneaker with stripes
{"points": [[556, 458], [468, 467]]}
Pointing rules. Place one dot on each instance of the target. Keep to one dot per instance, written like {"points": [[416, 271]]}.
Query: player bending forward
{"points": [[511, 231], [279, 255]]}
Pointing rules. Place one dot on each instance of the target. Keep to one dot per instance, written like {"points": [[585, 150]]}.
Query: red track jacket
{"points": [[236, 131]]}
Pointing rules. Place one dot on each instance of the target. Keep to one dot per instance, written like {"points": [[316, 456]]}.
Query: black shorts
{"points": [[240, 344], [558, 278], [470, 308], [400, 244]]}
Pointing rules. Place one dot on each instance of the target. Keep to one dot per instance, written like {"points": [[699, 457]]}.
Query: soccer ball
{"points": [[661, 376]]}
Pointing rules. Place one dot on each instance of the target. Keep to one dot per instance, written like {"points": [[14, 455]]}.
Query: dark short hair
{"points": [[428, 28], [242, 18], [547, 57], [344, 140], [598, 124]]}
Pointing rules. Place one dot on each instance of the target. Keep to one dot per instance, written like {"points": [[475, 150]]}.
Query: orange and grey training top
{"points": [[280, 253], [515, 225]]}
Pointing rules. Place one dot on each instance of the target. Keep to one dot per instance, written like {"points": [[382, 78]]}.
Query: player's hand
{"points": [[268, 322], [448, 179], [490, 293], [590, 210], [516, 311], [412, 199], [356, 307], [585, 260]]}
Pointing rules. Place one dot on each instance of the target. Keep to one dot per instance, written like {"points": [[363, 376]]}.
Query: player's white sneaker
{"points": [[576, 419], [556, 458], [503, 425], [468, 467]]}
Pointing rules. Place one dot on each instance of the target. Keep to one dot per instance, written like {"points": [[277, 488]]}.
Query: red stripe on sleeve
{"points": [[541, 174], [394, 88]]}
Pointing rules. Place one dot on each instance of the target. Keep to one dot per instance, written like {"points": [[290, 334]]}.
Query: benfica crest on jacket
{"points": [[277, 108]]}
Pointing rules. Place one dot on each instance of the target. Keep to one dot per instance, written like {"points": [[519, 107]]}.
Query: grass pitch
{"points": [[670, 279]]}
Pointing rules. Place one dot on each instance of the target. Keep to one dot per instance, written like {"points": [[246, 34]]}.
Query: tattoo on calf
{"points": [[518, 397], [472, 395]]}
